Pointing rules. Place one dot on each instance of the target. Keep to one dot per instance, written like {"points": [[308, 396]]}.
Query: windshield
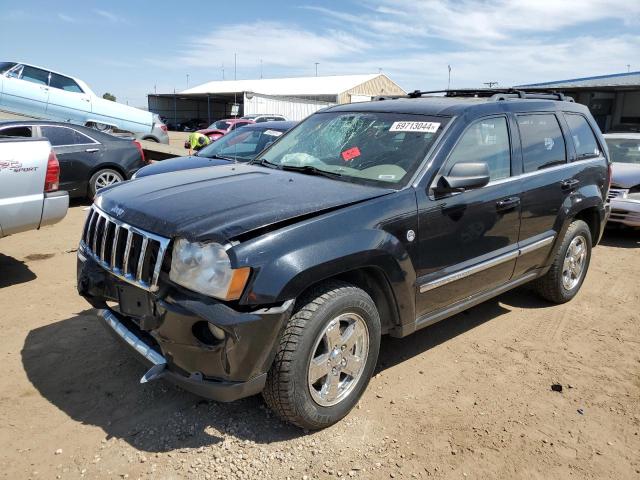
{"points": [[219, 125], [364, 147], [241, 145], [4, 66], [624, 150]]}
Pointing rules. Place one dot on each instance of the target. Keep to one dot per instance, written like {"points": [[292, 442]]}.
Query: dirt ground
{"points": [[469, 397]]}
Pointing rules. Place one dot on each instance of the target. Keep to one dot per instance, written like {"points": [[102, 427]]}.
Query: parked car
{"points": [[29, 180], [43, 93], [89, 160], [624, 149], [159, 132], [264, 117], [238, 146], [280, 276], [220, 128]]}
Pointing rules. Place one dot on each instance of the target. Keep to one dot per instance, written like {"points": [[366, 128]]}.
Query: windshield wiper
{"points": [[265, 163], [311, 170], [220, 157]]}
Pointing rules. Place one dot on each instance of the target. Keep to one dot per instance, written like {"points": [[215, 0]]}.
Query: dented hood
{"points": [[221, 203]]}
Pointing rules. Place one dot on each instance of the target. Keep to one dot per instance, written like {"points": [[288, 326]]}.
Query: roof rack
{"points": [[492, 94]]}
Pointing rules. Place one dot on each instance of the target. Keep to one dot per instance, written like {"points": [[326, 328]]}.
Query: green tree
{"points": [[109, 96]]}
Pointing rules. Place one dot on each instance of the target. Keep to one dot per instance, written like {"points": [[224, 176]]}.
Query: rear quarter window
{"points": [[583, 137]]}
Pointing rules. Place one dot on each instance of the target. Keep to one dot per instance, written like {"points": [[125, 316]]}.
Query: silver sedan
{"points": [[624, 194]]}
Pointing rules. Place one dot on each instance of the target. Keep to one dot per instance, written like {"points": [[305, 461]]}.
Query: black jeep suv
{"points": [[281, 275]]}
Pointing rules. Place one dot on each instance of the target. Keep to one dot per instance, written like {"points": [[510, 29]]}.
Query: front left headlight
{"points": [[206, 268]]}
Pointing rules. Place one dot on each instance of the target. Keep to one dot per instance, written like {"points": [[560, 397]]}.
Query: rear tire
{"points": [[570, 264], [326, 356], [103, 178]]}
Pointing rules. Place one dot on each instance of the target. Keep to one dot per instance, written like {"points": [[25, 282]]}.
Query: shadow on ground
{"points": [[81, 369], [13, 272], [621, 238]]}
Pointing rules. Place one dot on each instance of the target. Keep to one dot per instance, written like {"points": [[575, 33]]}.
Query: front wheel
{"points": [[569, 268], [326, 356], [103, 178]]}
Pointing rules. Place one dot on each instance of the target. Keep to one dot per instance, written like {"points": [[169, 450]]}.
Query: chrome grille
{"points": [[617, 193], [129, 253]]}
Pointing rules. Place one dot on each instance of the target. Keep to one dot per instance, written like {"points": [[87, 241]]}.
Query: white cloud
{"points": [[276, 44], [66, 18], [112, 17]]}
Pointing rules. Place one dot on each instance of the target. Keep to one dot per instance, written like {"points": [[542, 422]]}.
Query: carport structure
{"points": [[614, 100], [293, 97]]}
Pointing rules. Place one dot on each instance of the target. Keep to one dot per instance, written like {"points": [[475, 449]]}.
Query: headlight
{"points": [[206, 268]]}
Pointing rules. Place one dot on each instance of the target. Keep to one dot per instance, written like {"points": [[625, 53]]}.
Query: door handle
{"points": [[508, 203], [91, 150], [569, 184]]}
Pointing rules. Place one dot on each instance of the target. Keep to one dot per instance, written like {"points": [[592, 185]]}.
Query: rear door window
{"points": [[543, 145], [64, 83], [583, 137], [64, 136]]}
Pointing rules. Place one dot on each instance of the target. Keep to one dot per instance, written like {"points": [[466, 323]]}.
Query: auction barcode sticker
{"points": [[422, 127]]}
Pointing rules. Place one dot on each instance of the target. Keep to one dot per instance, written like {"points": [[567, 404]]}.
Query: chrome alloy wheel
{"points": [[105, 179], [574, 261], [338, 359]]}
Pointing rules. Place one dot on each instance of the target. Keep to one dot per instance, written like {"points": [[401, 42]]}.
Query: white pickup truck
{"points": [[29, 176]]}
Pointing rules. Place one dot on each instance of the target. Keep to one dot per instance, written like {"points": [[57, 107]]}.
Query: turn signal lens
{"points": [[238, 282]]}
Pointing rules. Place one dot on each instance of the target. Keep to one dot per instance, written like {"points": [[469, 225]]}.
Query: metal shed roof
{"points": [[630, 79], [326, 85]]}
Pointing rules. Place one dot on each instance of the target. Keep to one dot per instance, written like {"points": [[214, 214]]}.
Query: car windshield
{"points": [[5, 66], [624, 150], [383, 149], [219, 125], [241, 145]]}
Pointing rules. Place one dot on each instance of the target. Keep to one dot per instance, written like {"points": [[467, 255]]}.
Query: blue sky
{"points": [[130, 48]]}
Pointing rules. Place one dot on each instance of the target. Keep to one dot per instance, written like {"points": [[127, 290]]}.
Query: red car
{"points": [[222, 127]]}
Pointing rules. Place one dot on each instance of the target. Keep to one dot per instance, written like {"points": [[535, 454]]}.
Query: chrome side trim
{"points": [[466, 272], [131, 338], [537, 245]]}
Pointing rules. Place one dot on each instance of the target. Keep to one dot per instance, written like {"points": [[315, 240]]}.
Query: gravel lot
{"points": [[467, 398]]}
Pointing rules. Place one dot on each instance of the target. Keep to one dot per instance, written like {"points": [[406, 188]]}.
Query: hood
{"points": [[211, 131], [625, 175], [219, 204]]}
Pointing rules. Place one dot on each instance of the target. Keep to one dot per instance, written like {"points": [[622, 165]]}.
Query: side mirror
{"points": [[464, 176]]}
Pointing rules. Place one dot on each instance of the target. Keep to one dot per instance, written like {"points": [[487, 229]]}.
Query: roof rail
{"points": [[492, 94]]}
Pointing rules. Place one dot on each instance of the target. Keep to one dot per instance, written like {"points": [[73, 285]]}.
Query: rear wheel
{"points": [[103, 178], [563, 280], [101, 127], [326, 356]]}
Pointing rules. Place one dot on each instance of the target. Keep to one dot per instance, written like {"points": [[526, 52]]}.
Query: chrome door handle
{"points": [[91, 150], [508, 203], [569, 184]]}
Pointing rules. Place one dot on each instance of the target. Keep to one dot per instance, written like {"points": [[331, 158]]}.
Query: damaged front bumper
{"points": [[170, 332]]}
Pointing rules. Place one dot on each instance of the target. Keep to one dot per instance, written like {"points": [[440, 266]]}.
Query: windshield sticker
{"points": [[350, 154], [273, 133], [386, 177], [421, 127]]}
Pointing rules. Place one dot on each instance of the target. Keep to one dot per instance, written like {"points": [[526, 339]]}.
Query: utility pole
{"points": [[628, 68], [449, 79], [187, 80], [260, 69], [223, 71], [235, 66], [317, 63], [490, 84]]}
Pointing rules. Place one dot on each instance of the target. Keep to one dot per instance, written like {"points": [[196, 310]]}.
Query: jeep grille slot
{"points": [[129, 253]]}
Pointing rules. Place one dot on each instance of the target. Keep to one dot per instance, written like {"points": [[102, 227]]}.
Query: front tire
{"points": [[326, 356], [569, 268], [103, 178]]}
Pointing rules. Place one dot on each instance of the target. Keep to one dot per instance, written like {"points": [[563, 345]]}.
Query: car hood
{"points": [[211, 131], [220, 204], [625, 175], [179, 163]]}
